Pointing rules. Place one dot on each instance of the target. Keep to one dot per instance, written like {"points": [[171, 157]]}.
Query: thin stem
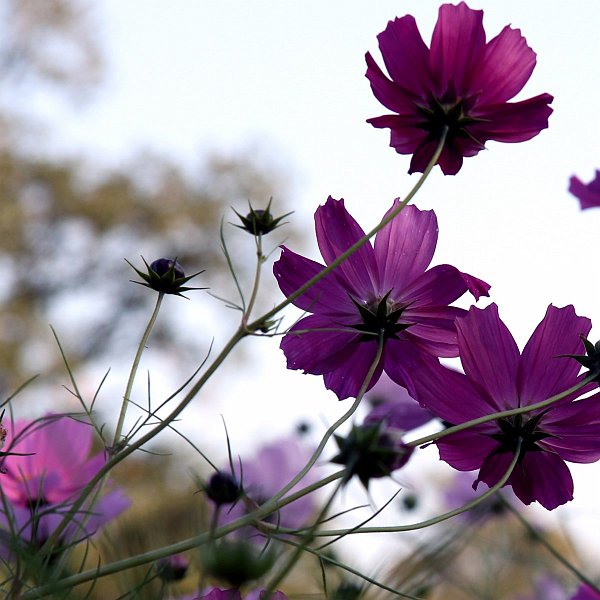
{"points": [[133, 371], [313, 459], [434, 520], [260, 513], [505, 413], [298, 551], [260, 259], [540, 538], [331, 560], [342, 257]]}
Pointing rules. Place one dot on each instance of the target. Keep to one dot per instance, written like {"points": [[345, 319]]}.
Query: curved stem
{"points": [[332, 429], [434, 520], [342, 257], [133, 371], [262, 512], [504, 413]]}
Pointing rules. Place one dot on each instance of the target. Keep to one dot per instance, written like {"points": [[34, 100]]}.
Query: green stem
{"points": [[342, 257], [434, 520], [262, 512], [349, 569], [237, 336], [116, 459], [259, 263], [134, 368], [308, 535], [301, 547], [540, 538], [499, 415]]}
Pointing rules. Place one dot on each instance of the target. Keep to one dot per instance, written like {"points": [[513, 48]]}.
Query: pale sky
{"points": [[186, 77]]}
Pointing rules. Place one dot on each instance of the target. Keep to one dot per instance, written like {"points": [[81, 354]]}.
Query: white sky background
{"points": [[187, 77]]}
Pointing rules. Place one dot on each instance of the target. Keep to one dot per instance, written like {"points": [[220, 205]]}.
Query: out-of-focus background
{"points": [[130, 128]]}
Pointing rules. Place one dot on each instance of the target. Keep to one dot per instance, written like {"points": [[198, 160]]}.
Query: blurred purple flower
{"points": [[394, 405], [275, 465], [546, 587], [383, 287], [460, 492], [587, 194], [498, 378], [460, 81], [38, 489], [586, 592], [219, 594]]}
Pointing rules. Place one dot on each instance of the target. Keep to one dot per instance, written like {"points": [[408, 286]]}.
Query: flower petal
{"points": [[404, 247], [457, 45], [467, 450], [336, 231], [512, 122], [543, 477], [446, 393], [327, 296], [543, 372], [307, 347], [505, 68], [489, 355], [348, 378], [406, 56]]}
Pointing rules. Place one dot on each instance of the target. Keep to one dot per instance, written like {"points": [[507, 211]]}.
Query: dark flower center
{"points": [[519, 427], [380, 317], [453, 114]]}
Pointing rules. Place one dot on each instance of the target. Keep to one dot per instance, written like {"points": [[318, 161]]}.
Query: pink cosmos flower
{"points": [[460, 81], [498, 377], [385, 288], [39, 488], [588, 195], [586, 592]]}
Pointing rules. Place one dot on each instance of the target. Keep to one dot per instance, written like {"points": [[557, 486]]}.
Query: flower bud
{"points": [[371, 451], [259, 221], [236, 562], [166, 276], [223, 488]]}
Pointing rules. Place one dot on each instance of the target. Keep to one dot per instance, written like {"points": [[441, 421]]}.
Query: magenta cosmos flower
{"points": [[384, 287], [498, 377], [587, 194], [233, 594], [460, 81]]}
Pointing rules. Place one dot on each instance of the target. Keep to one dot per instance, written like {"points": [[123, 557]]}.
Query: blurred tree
{"points": [[65, 227]]}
